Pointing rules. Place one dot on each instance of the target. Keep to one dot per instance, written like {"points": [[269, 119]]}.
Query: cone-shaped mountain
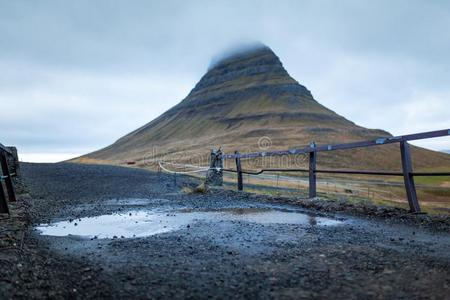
{"points": [[241, 99]]}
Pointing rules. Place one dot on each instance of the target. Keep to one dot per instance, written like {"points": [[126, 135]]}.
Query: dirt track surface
{"points": [[361, 258]]}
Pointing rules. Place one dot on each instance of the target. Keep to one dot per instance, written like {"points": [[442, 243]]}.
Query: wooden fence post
{"points": [[312, 171], [13, 162], [8, 180], [3, 202], [239, 171], [409, 178]]}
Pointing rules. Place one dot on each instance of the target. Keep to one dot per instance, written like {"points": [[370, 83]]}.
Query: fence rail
{"points": [[6, 177], [313, 149]]}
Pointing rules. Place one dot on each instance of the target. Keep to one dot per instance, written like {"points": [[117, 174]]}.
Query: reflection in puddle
{"points": [[265, 216], [130, 224], [145, 223], [134, 201]]}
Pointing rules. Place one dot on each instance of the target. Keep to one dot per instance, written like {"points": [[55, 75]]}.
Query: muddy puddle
{"points": [[142, 223]]}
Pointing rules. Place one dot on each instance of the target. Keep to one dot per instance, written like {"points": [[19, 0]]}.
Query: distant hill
{"points": [[250, 97]]}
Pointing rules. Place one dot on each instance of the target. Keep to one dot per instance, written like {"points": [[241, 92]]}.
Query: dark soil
{"points": [[376, 253]]}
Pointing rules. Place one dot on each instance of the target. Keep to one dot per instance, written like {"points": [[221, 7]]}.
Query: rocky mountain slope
{"points": [[249, 102]]}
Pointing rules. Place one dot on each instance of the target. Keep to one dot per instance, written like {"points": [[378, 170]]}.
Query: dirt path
{"points": [[215, 245]]}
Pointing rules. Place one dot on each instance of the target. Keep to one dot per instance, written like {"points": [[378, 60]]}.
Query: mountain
{"points": [[246, 98]]}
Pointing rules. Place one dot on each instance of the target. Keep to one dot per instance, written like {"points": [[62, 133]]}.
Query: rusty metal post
{"points": [[8, 181], [239, 171], [312, 171], [409, 178]]}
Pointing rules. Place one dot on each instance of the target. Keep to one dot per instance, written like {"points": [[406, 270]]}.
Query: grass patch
{"points": [[432, 180]]}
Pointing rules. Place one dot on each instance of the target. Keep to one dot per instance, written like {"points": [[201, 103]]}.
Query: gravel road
{"points": [[220, 244]]}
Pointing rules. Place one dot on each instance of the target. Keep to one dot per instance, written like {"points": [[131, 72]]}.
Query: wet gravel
{"points": [[363, 258]]}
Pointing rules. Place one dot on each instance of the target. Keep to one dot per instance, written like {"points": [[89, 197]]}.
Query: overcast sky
{"points": [[77, 75]]}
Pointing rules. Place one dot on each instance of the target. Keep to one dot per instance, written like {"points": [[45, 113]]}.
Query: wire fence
{"points": [[308, 165], [312, 150]]}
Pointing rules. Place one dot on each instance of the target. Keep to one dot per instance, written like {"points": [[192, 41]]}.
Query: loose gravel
{"points": [[375, 253]]}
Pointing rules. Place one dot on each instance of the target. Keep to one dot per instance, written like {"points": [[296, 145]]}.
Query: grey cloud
{"points": [[82, 66]]}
